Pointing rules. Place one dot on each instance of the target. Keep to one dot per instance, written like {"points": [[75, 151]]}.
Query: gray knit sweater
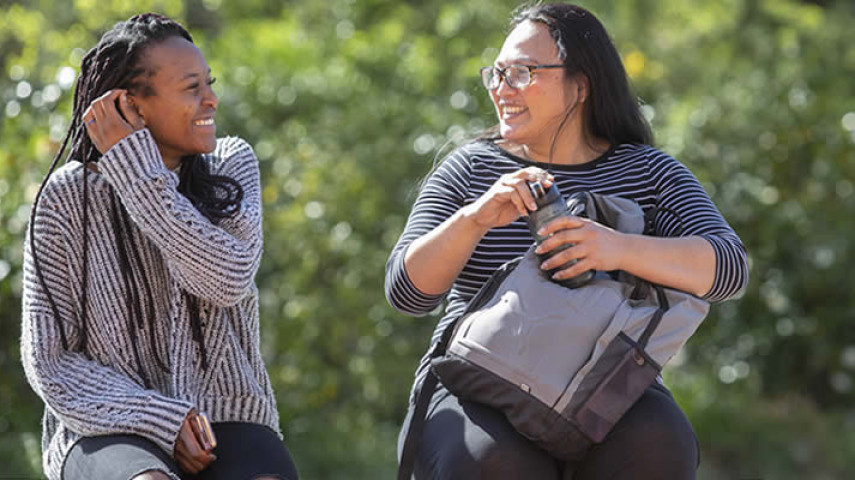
{"points": [[103, 393]]}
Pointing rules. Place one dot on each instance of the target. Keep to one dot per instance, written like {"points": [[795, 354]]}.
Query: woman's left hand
{"points": [[105, 124], [595, 246]]}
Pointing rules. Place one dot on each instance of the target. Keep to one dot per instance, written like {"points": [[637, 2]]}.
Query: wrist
{"points": [[629, 247], [467, 218]]}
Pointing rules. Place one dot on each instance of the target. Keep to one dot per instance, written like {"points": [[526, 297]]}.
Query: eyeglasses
{"points": [[516, 76]]}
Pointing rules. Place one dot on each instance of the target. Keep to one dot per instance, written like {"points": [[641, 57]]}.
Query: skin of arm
{"points": [[435, 259]]}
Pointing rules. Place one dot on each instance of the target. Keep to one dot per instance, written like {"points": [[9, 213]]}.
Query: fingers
{"points": [[105, 124], [519, 181], [190, 456], [559, 258], [188, 464], [563, 222], [568, 232], [509, 198], [577, 268], [592, 245], [512, 191]]}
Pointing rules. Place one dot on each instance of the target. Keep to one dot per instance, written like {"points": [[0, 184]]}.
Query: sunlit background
{"points": [[348, 105]]}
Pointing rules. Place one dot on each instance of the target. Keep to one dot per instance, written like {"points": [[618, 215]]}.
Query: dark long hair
{"points": [[117, 62], [612, 112]]}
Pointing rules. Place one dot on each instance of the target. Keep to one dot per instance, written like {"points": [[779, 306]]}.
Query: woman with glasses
{"points": [[566, 116]]}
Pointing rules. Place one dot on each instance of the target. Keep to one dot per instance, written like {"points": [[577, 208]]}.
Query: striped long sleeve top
{"points": [[101, 390], [641, 173]]}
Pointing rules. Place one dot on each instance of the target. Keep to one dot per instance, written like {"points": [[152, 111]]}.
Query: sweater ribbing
{"points": [[100, 391]]}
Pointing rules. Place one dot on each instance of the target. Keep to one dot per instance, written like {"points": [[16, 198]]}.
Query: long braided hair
{"points": [[117, 62]]}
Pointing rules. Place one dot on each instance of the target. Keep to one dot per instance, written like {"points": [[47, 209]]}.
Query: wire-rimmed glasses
{"points": [[515, 76]]}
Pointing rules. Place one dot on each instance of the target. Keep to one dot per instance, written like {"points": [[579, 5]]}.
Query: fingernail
{"points": [[542, 231]]}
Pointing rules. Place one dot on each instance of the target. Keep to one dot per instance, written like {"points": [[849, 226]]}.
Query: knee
{"points": [[152, 475], [507, 460], [660, 437], [516, 460], [665, 445]]}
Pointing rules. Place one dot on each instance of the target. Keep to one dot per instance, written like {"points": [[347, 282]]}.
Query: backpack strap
{"points": [[417, 426], [662, 300], [428, 386]]}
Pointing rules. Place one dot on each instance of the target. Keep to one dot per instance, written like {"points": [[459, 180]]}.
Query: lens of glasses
{"points": [[516, 76], [490, 78]]}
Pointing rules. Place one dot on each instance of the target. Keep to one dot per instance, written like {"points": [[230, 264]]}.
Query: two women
{"points": [[140, 308], [566, 116]]}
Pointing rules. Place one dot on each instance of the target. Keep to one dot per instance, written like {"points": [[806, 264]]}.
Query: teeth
{"points": [[513, 110], [209, 121]]}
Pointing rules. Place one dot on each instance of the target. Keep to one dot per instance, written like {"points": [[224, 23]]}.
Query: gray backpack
{"points": [[562, 364]]}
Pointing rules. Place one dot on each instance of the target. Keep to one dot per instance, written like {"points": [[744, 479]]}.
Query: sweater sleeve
{"points": [[443, 194], [214, 262], [88, 397], [686, 209]]}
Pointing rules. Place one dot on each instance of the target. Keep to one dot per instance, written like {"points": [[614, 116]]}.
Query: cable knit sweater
{"points": [[100, 392]]}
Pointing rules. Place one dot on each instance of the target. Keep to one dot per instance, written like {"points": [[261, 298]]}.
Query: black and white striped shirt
{"points": [[641, 173]]}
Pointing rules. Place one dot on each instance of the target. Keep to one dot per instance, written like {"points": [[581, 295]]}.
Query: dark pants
{"points": [[467, 440], [244, 451]]}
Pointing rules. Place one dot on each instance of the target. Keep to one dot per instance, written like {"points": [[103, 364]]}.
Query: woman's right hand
{"points": [[106, 125], [508, 199], [189, 454]]}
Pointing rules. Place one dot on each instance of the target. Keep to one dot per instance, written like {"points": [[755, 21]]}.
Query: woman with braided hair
{"points": [[140, 308]]}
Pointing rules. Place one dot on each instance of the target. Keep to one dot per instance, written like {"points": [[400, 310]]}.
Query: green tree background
{"points": [[349, 103]]}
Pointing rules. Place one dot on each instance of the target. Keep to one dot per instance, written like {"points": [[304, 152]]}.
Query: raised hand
{"points": [[508, 199], [110, 118]]}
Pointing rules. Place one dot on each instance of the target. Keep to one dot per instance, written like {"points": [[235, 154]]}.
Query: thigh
{"points": [[246, 451], [653, 440], [467, 440], [116, 457]]}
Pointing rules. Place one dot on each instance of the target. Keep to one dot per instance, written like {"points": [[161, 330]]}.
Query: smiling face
{"points": [[531, 115], [176, 100]]}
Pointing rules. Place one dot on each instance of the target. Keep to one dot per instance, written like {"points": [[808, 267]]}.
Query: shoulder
{"points": [[234, 157], [61, 200], [232, 149], [644, 156], [65, 184], [636, 152], [479, 154]]}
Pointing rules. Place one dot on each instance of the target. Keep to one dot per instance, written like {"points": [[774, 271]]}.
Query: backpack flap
{"points": [[534, 333]]}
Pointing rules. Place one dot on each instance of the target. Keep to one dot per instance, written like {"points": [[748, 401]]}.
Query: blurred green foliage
{"points": [[348, 104]]}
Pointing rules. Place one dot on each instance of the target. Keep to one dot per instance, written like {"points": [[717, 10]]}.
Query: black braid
{"points": [[115, 62], [128, 228], [130, 290], [215, 196]]}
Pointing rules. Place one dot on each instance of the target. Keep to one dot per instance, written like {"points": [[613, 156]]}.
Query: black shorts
{"points": [[244, 451]]}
